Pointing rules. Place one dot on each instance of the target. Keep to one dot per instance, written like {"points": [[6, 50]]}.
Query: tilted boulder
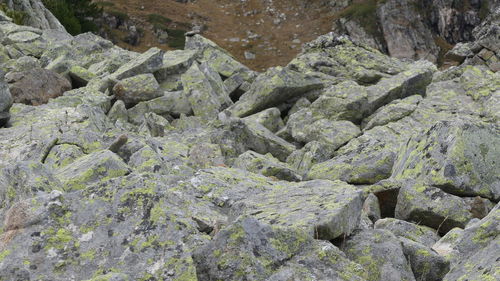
{"points": [[36, 86], [459, 157], [272, 88], [380, 253], [133, 90]]}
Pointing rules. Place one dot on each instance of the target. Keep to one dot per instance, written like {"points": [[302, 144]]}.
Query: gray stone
{"points": [[432, 207], [251, 250], [477, 250], [269, 118], [421, 234], [272, 88], [426, 264], [380, 253], [92, 168], [136, 89], [148, 62], [204, 101], [457, 156], [265, 165]]}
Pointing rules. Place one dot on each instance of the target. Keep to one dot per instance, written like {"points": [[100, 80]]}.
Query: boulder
{"points": [[265, 165], [426, 264], [133, 90], [272, 88], [252, 250], [477, 250], [459, 157], [204, 99], [92, 168], [269, 118], [421, 234], [36, 86], [36, 14], [432, 207], [380, 253], [5, 103], [258, 138], [148, 62]]}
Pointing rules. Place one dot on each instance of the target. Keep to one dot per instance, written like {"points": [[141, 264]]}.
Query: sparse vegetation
{"points": [[365, 13], [18, 17], [484, 10], [176, 38], [75, 15]]}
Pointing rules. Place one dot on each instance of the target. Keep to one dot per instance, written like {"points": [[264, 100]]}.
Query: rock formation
{"points": [[345, 164]]}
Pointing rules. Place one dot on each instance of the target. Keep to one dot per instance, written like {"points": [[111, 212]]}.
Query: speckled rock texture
{"points": [[186, 165]]}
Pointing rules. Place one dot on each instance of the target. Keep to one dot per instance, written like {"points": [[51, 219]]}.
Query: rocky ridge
{"points": [[346, 164]]}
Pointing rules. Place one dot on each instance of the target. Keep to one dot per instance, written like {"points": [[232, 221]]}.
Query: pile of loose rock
{"points": [[186, 165]]}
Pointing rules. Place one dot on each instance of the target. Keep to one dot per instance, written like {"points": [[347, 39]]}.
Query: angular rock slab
{"points": [[135, 225], [421, 234], [426, 264], [251, 250], [380, 253], [94, 167], [324, 209], [457, 156], [478, 249], [432, 207], [132, 90], [272, 88]]}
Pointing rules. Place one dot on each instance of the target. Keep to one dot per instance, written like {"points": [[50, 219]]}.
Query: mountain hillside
{"points": [[187, 165]]}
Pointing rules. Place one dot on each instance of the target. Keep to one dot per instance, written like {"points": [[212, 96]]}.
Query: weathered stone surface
{"points": [[426, 264], [477, 250], [136, 89], [36, 86], [36, 14], [148, 62], [269, 118], [380, 253], [432, 207], [457, 156], [273, 87], [394, 111], [258, 138], [171, 103], [338, 56], [371, 208], [265, 165], [204, 100], [92, 168], [24, 180], [333, 133], [323, 209], [251, 250], [421, 234], [5, 102], [446, 245], [137, 219]]}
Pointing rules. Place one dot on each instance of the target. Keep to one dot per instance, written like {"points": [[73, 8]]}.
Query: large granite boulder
{"points": [[36, 86]]}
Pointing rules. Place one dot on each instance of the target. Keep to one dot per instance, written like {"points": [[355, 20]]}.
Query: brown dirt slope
{"points": [[273, 30]]}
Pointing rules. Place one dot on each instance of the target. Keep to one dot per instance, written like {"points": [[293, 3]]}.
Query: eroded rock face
{"points": [[36, 86], [186, 165]]}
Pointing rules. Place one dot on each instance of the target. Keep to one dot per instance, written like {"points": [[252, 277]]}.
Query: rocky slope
{"points": [[346, 164]]}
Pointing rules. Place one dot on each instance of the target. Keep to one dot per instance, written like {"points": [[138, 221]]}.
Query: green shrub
{"points": [[484, 10], [75, 15], [365, 13], [176, 38], [18, 17]]}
